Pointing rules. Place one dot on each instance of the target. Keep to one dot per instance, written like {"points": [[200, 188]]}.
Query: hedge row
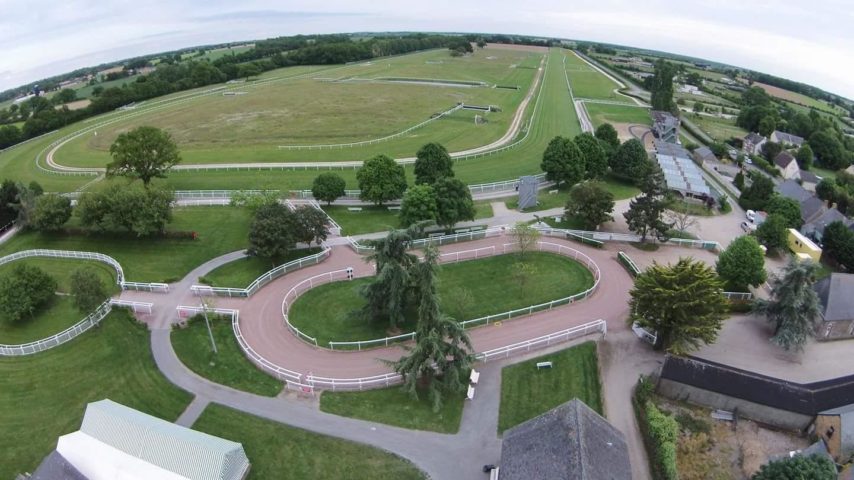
{"points": [[659, 431]]}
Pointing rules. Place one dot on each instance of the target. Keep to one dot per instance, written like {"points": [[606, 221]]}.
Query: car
{"points": [[748, 227], [751, 215]]}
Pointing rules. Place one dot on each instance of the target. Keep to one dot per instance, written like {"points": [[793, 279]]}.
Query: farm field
{"points": [[287, 453], [44, 396], [589, 83], [352, 103], [719, 129], [490, 281], [798, 98]]}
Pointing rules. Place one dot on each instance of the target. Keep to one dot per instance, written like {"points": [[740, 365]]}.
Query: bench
{"points": [[553, 192], [394, 207], [475, 375], [541, 365], [470, 393], [354, 209]]}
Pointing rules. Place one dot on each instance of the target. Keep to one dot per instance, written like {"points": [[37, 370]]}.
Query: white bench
{"points": [[541, 365], [475, 375], [394, 207], [354, 209], [470, 393]]}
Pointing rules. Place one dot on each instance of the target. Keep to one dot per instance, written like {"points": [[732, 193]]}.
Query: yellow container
{"points": [[802, 246]]}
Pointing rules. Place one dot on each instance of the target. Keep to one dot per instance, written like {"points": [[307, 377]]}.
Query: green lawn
{"points": [[229, 366], [490, 282], [278, 451], [719, 129], [243, 271], [59, 314], [589, 83], [379, 218], [602, 113], [60, 269], [220, 230], [393, 406], [527, 392], [620, 189], [824, 173], [44, 396]]}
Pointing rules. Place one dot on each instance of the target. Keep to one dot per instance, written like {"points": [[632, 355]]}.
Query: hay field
{"points": [[351, 103]]}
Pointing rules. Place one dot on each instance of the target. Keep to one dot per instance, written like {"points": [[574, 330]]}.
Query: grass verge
{"points": [[44, 396], [229, 366], [527, 392], [243, 271], [282, 452], [393, 406]]}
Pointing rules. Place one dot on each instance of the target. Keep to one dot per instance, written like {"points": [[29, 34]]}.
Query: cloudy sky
{"points": [[811, 42]]}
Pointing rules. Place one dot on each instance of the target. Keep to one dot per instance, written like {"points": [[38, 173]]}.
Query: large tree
{"points": [[798, 467], [441, 356], [328, 187], [644, 216], [594, 155], [829, 150], [608, 138], [590, 202], [682, 303], [562, 161], [772, 232], [787, 208], [272, 233], [24, 291], [381, 179], [386, 295], [144, 153], [419, 204], [805, 157], [742, 264], [630, 161], [838, 242], [8, 200], [770, 150], [453, 201], [87, 289], [311, 225], [126, 208], [432, 162], [758, 193], [661, 86], [793, 307], [51, 212]]}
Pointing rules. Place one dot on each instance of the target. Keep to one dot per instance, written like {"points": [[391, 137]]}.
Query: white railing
{"points": [[64, 336], [644, 334], [264, 279], [310, 382], [738, 295], [626, 237], [146, 287], [256, 358], [373, 140], [191, 194], [596, 326], [489, 319], [503, 185], [304, 286], [629, 263], [98, 257], [334, 228], [137, 307], [438, 240]]}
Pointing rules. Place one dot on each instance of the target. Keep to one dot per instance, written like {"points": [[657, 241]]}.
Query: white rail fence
{"points": [[372, 141], [264, 279], [489, 319], [73, 331], [297, 290], [626, 237], [93, 256], [738, 296]]}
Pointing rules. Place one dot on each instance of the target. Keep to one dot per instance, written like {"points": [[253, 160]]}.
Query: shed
{"points": [[802, 246], [569, 442], [836, 428], [115, 441], [704, 154]]}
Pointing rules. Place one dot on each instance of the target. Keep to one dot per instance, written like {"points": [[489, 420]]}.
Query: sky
{"points": [[810, 42]]}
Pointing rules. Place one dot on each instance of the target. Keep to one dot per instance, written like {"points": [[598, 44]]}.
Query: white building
{"points": [[116, 442]]}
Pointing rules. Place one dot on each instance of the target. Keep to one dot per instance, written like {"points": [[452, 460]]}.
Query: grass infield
{"points": [[283, 452], [527, 392], [241, 272], [490, 283]]}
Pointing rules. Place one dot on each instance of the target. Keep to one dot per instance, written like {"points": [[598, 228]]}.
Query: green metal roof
{"points": [[186, 452]]}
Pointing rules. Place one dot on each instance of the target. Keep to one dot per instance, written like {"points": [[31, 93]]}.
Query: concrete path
{"points": [[193, 411]]}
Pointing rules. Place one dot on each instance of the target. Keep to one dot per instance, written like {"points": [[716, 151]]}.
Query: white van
{"points": [[751, 215]]}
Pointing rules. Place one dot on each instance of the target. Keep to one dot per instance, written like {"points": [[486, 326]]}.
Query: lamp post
{"points": [[207, 322]]}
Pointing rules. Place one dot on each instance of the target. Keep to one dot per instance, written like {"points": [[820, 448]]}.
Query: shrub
{"points": [[659, 432], [23, 292]]}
